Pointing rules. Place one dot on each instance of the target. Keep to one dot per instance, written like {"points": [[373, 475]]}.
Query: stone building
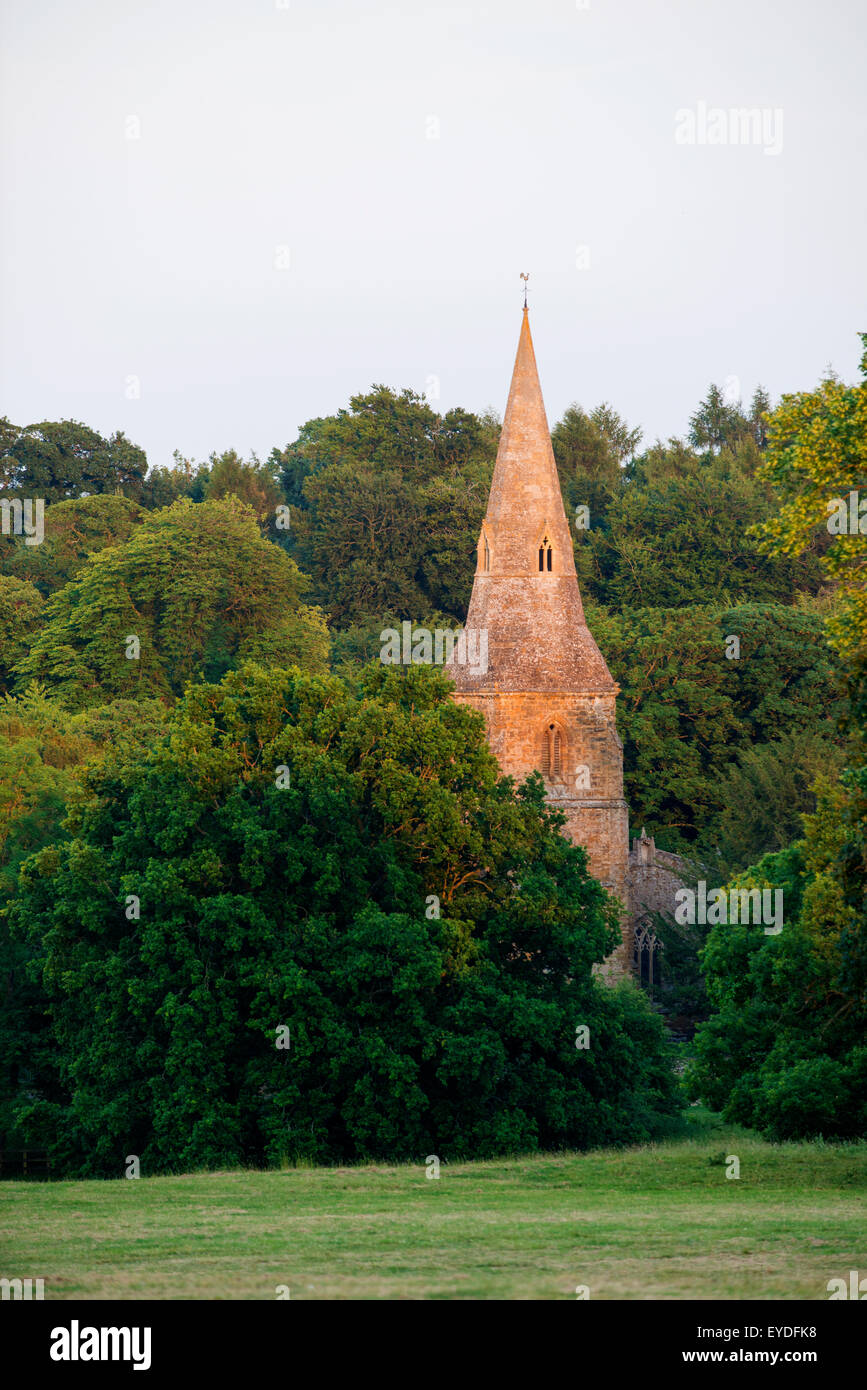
{"points": [[546, 693]]}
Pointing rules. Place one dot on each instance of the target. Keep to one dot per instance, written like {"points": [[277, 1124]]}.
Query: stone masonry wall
{"points": [[596, 815]]}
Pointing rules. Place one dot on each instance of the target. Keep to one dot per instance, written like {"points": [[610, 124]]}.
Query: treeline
{"points": [[184, 638], [371, 516]]}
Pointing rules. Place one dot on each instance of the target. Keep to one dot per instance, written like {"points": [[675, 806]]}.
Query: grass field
{"points": [[655, 1222]]}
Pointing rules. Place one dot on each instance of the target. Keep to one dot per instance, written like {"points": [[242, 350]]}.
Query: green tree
{"points": [[760, 407], [419, 926], [185, 478], [43, 749], [200, 591], [74, 530], [57, 459], [253, 483], [590, 451], [717, 422], [388, 499], [784, 1050], [818, 453], [686, 708], [679, 534], [20, 610], [766, 794]]}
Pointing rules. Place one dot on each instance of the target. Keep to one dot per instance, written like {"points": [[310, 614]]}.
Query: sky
{"points": [[222, 218]]}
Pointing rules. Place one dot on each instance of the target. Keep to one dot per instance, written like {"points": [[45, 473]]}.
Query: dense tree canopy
{"points": [[686, 707], [20, 612], [74, 530], [350, 873], [43, 748], [818, 455], [390, 498], [63, 458], [284, 833], [197, 587], [591, 450], [785, 1050], [254, 483], [678, 533]]}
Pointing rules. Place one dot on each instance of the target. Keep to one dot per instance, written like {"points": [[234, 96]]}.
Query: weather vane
{"points": [[525, 278]]}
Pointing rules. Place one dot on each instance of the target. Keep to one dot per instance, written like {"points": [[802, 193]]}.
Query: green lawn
{"points": [[655, 1222]]}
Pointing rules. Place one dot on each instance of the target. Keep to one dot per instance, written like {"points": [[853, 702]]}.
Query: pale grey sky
{"points": [[413, 159]]}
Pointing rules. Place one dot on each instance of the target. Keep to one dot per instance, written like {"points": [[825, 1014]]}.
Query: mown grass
{"points": [[660, 1221]]}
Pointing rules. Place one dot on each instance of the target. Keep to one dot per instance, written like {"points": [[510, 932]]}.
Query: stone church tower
{"points": [[546, 693]]}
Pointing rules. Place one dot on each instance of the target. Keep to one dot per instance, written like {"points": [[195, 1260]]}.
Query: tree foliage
{"points": [[308, 907], [784, 1050], [389, 498], [679, 533], [785, 1047], [254, 483], [20, 611], [57, 459], [199, 589], [591, 450], [818, 453], [686, 708], [74, 530]]}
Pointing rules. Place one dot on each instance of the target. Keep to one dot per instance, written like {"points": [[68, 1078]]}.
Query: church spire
{"points": [[540, 681], [525, 593], [525, 491]]}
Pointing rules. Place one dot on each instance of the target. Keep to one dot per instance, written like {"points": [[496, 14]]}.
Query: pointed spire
{"points": [[525, 593], [525, 489]]}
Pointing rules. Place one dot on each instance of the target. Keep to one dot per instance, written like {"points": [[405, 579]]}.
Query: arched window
{"points": [[545, 553], [487, 557], [552, 753]]}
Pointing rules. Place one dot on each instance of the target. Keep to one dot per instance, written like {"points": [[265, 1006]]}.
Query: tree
{"points": [[361, 539], [387, 500], [590, 451], [57, 459], [253, 483], [716, 422], [410, 927], [193, 591], [42, 750], [768, 792], [784, 1049], [185, 478], [817, 454], [20, 609], [74, 530], [679, 534], [760, 407], [686, 708], [42, 746]]}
